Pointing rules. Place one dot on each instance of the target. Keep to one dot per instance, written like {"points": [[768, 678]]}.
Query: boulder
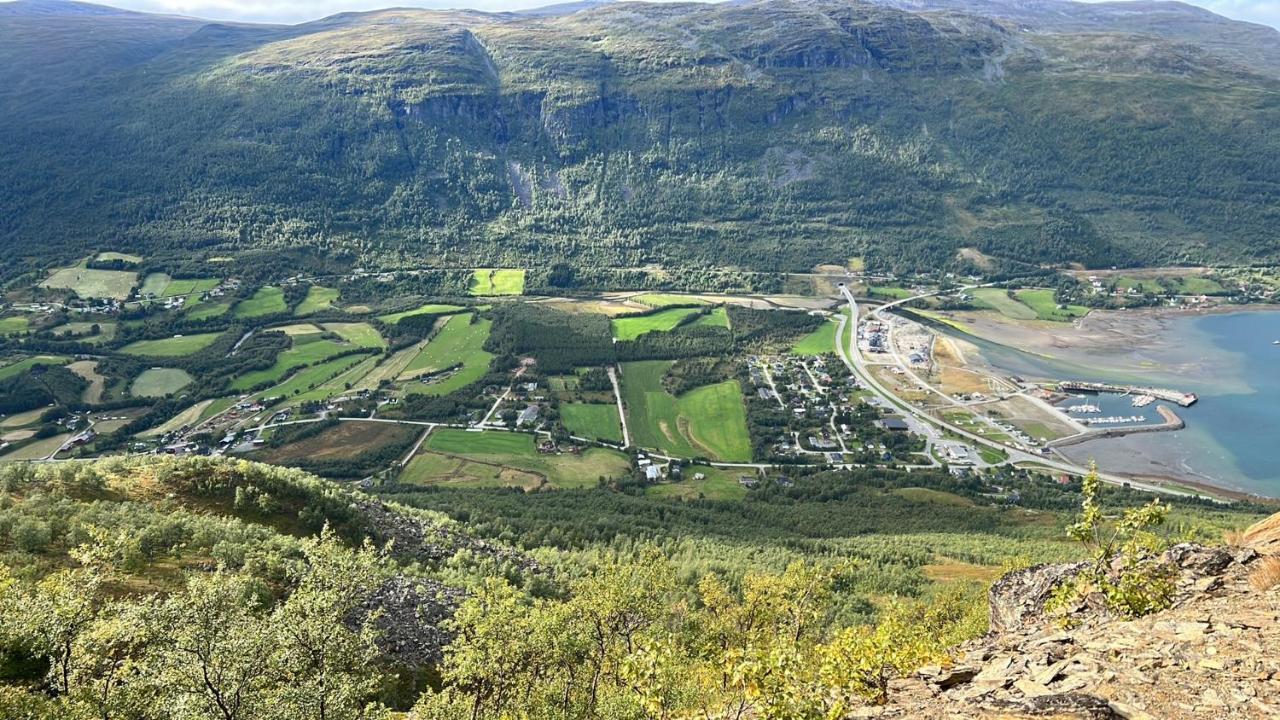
{"points": [[1017, 600], [410, 615]]}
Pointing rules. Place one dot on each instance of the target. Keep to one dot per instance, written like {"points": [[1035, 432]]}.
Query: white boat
{"points": [[1275, 342]]}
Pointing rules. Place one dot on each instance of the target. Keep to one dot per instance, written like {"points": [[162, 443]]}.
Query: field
{"points": [[85, 331], [88, 369], [317, 299], [1046, 307], [189, 286], [818, 342], [390, 368], [998, 299], [708, 421], [37, 450], [186, 418], [301, 384], [114, 284], [429, 309], [17, 368], [122, 257], [204, 311], [459, 341], [888, 291], [657, 300], [632, 327], [158, 382], [507, 451], [306, 350], [359, 334], [176, 346], [716, 318], [22, 419], [344, 441], [266, 301], [154, 284], [15, 324], [592, 420], [488, 282], [716, 484]]}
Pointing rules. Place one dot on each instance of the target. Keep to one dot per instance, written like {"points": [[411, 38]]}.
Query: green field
{"points": [[818, 342], [266, 301], [360, 334], [15, 324], [998, 299], [708, 421], [203, 311], [306, 350], [317, 299], [1046, 307], [176, 346], [459, 341], [428, 309], [190, 286], [306, 383], [84, 331], [716, 484], [592, 420], [123, 257], [158, 382], [114, 284], [657, 300], [516, 451], [888, 291], [488, 281], [633, 326], [38, 450], [154, 284], [716, 318], [21, 366]]}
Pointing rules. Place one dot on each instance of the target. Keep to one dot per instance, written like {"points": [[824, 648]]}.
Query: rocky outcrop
{"points": [[416, 538], [1018, 599], [411, 616]]}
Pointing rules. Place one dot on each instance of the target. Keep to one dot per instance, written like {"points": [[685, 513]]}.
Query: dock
{"points": [[1174, 396]]}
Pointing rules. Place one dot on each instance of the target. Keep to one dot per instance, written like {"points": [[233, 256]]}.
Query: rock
{"points": [[1017, 600], [1076, 706], [410, 614], [1201, 560], [952, 677]]}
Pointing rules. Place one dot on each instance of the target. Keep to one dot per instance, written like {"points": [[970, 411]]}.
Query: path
{"points": [[622, 413]]}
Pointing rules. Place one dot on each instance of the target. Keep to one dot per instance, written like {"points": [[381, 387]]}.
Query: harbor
{"points": [[1185, 399]]}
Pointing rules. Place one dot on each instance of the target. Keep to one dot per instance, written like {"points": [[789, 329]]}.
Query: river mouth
{"points": [[1227, 357]]}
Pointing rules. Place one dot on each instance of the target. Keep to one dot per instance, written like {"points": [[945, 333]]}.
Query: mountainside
{"points": [[771, 135]]}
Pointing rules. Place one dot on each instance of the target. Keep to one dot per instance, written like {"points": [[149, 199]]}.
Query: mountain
{"points": [[770, 135]]}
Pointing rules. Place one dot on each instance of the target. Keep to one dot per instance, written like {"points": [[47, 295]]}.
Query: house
{"points": [[653, 473], [528, 416], [894, 424]]}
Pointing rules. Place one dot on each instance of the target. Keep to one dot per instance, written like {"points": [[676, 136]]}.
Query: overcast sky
{"points": [[1259, 11]]}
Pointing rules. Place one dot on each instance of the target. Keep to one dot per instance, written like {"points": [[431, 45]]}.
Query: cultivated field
{"points": [[344, 441], [514, 451], [489, 281], [22, 419], [176, 346], [266, 301], [85, 331], [15, 324], [630, 328], [359, 334], [158, 382], [114, 284], [317, 299], [37, 450], [186, 418], [429, 309], [818, 342], [312, 383], [708, 421], [14, 369], [1043, 304], [716, 318], [592, 420], [459, 341], [998, 299], [122, 257], [88, 369], [306, 350], [204, 311], [716, 484]]}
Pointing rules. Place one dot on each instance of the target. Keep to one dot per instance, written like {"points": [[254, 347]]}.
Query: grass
{"points": [[311, 378], [459, 341], [23, 419], [305, 351], [344, 441], [361, 334], [888, 291], [632, 327], [123, 257], [657, 300], [37, 450], [317, 299], [176, 346], [716, 484], [158, 382], [84, 331], [592, 420], [517, 451], [154, 284], [86, 283], [186, 418], [190, 286], [21, 366], [716, 318], [15, 324], [492, 281], [266, 301], [1045, 306], [998, 299], [933, 497], [204, 311], [428, 309], [818, 342], [708, 421]]}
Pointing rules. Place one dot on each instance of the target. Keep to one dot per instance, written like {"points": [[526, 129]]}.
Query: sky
{"points": [[1266, 12]]}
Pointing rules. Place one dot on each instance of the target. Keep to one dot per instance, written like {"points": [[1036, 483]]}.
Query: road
{"points": [[622, 413]]}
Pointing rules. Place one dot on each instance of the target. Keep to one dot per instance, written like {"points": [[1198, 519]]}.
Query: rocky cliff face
{"points": [[1214, 653]]}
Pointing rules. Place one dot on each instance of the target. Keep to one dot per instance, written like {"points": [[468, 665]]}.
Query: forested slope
{"points": [[771, 135]]}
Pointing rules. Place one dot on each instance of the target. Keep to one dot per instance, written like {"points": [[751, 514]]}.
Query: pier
{"points": [[1171, 422], [1173, 396]]}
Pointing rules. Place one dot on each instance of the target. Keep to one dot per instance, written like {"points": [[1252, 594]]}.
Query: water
{"points": [[1232, 438]]}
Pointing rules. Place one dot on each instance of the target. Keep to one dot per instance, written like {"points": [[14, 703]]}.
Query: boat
{"points": [[1275, 342]]}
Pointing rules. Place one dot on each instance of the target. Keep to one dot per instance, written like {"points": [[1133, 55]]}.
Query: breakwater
{"points": [[1174, 396]]}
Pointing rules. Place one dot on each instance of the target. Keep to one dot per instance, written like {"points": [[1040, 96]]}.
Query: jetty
{"points": [[1173, 396], [1171, 422]]}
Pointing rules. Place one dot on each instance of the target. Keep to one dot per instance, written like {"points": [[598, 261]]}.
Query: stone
{"points": [[1076, 706], [1017, 600], [1198, 559]]}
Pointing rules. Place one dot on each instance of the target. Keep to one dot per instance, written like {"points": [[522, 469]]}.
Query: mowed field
{"points": [[176, 346], [630, 328], [113, 284], [266, 301], [1045, 306], [592, 420], [429, 309], [459, 341], [186, 418], [204, 311], [313, 382], [317, 299], [18, 367], [716, 484], [158, 382], [716, 318], [306, 350], [15, 324], [451, 454], [818, 342], [709, 421], [998, 299], [491, 281], [359, 334]]}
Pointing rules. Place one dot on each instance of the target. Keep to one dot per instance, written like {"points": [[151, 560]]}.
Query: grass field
{"points": [[22, 419], [158, 382], [176, 346], [306, 350], [630, 328], [303, 384], [344, 441], [512, 451], [186, 418], [1046, 307], [592, 420], [818, 342], [489, 281], [459, 341], [189, 286], [317, 299], [716, 484], [998, 299], [390, 368], [123, 257], [114, 284], [37, 450], [17, 368], [85, 332], [15, 324], [888, 291], [204, 311], [428, 309], [657, 300], [154, 284], [266, 301], [708, 421], [359, 334], [716, 318]]}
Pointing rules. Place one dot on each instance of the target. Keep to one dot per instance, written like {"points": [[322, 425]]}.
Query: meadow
{"points": [[633, 326], [818, 342], [86, 283], [716, 484], [266, 301], [344, 441], [313, 382], [306, 350], [204, 311], [15, 324], [459, 341], [709, 421], [186, 418], [491, 281], [512, 451], [1045, 306], [998, 299], [317, 299], [158, 382], [657, 300], [592, 420], [176, 346], [360, 334], [428, 309], [716, 318], [122, 257]]}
